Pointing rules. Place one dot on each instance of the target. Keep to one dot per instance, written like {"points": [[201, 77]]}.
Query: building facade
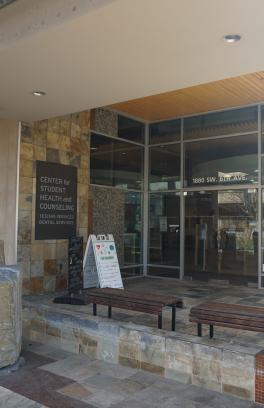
{"points": [[193, 194], [183, 197]]}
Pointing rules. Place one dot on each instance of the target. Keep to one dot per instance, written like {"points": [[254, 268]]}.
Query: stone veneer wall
{"points": [[104, 121], [62, 140], [207, 363], [108, 215]]}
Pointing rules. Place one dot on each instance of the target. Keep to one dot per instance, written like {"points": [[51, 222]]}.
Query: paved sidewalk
{"points": [[10, 399], [59, 379]]}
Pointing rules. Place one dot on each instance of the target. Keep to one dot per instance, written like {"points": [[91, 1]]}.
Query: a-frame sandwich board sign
{"points": [[100, 263]]}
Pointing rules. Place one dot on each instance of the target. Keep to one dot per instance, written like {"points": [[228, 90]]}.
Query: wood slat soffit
{"points": [[226, 93]]}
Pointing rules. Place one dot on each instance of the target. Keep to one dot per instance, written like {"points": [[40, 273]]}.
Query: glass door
{"points": [[221, 239]]}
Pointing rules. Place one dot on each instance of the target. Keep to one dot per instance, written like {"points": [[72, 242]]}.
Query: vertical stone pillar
{"points": [[10, 315]]}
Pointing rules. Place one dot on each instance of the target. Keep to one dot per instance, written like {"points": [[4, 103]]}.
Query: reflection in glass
{"points": [[231, 160], [221, 238], [164, 229], [165, 167], [133, 271], [221, 123], [115, 163], [168, 131], [263, 224], [131, 129], [101, 160], [164, 272], [133, 228], [262, 169]]}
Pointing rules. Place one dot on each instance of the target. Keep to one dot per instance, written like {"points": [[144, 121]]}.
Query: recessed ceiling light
{"points": [[38, 93], [232, 38]]}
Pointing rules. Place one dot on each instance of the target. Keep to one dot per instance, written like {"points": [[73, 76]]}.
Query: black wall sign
{"points": [[56, 201], [75, 278]]}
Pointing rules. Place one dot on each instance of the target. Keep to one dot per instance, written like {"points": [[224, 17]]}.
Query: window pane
{"points": [[118, 212], [222, 161], [131, 129], [221, 123], [116, 163], [262, 130], [101, 160], [128, 167], [164, 272], [221, 238], [262, 241], [133, 271], [165, 167], [162, 132], [164, 229], [133, 228], [262, 169]]}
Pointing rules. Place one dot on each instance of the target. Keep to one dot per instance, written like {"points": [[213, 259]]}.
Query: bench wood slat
{"points": [[125, 294], [230, 308], [140, 302], [232, 326], [218, 320], [126, 305], [228, 315], [214, 316]]}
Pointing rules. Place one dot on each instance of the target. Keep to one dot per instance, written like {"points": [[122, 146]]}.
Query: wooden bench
{"points": [[140, 302], [227, 315]]}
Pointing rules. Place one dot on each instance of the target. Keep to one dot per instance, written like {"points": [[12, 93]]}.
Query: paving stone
{"points": [[104, 399], [9, 399], [224, 401]]}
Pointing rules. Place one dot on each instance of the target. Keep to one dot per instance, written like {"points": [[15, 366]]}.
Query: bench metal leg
{"points": [[211, 334], [109, 312], [199, 329], [160, 321], [94, 309], [173, 317]]}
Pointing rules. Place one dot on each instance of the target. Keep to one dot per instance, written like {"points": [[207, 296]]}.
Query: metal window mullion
{"points": [[182, 209], [120, 139], [146, 202], [131, 266], [124, 190], [223, 188], [163, 266], [259, 217], [201, 139], [165, 143]]}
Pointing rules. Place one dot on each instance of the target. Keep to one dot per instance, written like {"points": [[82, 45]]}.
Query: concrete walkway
{"points": [[56, 378]]}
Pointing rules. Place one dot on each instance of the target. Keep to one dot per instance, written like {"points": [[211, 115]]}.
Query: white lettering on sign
{"points": [[56, 201], [221, 179]]}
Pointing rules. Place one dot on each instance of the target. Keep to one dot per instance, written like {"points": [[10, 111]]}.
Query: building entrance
{"points": [[221, 239]]}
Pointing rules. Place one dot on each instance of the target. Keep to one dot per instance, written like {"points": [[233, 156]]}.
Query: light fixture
{"points": [[232, 38], [38, 93]]}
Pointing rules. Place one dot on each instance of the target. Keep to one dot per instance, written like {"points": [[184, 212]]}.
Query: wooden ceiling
{"points": [[231, 92]]}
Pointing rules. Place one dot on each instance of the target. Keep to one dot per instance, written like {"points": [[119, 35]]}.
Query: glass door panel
{"points": [[164, 232], [221, 239]]}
